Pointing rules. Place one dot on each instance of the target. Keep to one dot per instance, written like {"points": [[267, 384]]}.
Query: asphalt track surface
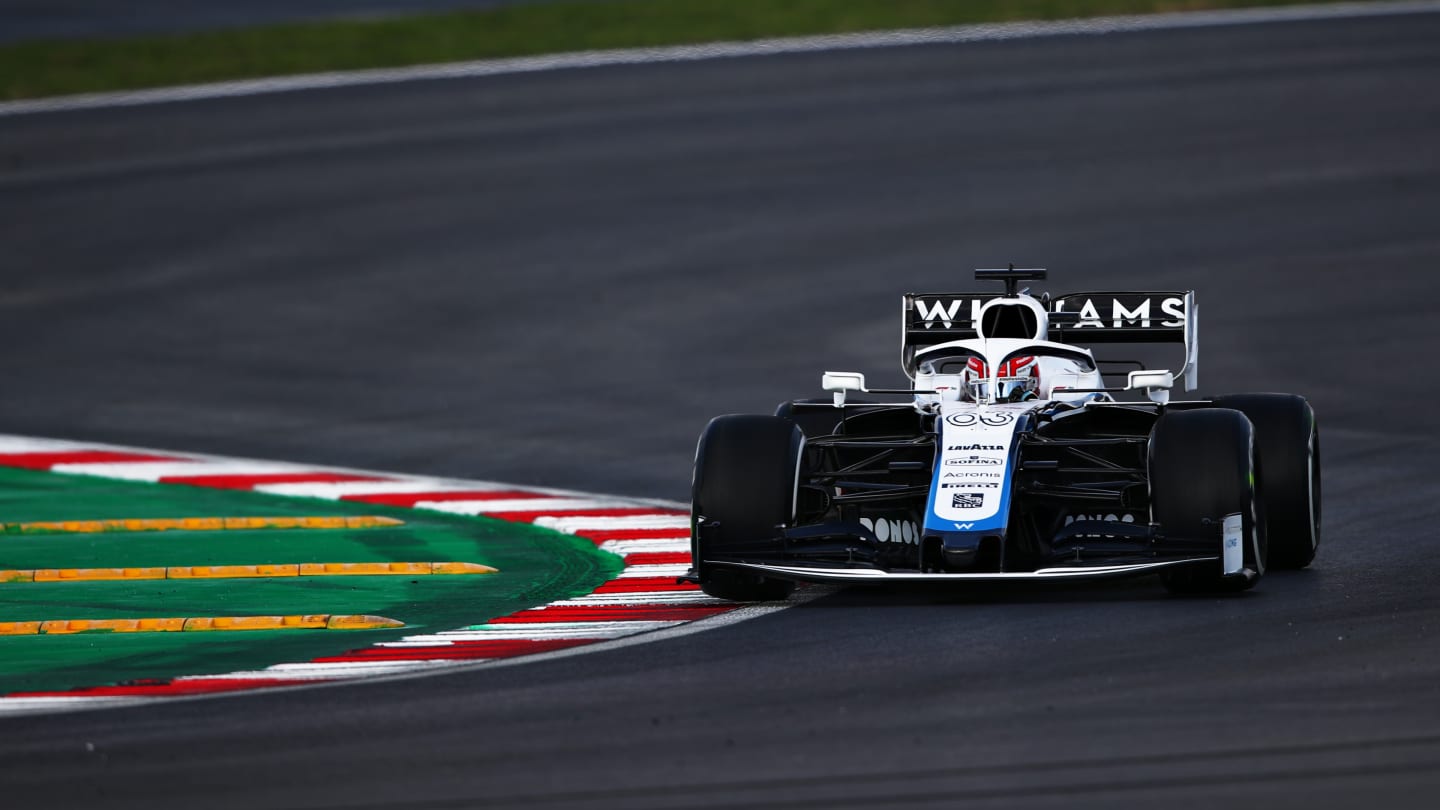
{"points": [[557, 278]]}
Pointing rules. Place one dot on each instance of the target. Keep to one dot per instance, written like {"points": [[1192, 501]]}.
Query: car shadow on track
{"points": [[1138, 590]]}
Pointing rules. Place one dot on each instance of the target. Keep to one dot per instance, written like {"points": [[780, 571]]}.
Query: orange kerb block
{"points": [[245, 571], [199, 524], [231, 571], [255, 623], [361, 623], [362, 569], [19, 628], [461, 568], [96, 574], [199, 624]]}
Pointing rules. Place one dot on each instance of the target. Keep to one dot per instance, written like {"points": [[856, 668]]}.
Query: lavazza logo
{"points": [[975, 447]]}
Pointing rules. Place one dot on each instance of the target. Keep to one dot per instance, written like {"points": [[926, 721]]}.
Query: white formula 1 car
{"points": [[1012, 459]]}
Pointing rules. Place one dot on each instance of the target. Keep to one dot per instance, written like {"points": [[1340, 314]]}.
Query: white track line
{"points": [[406, 486], [329, 672], [33, 705], [536, 631], [155, 470], [725, 50], [642, 599], [627, 547], [34, 444], [556, 506], [576, 525], [660, 570]]}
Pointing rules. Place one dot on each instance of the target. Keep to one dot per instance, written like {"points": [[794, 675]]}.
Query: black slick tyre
{"points": [[1203, 468], [1287, 440], [742, 494]]}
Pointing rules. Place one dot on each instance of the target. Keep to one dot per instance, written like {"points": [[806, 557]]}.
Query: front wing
{"points": [[857, 576]]}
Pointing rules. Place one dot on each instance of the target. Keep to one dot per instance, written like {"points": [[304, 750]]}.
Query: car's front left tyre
{"points": [[743, 494]]}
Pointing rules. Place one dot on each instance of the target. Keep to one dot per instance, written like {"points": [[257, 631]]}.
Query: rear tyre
{"points": [[1202, 468], [746, 469], [1287, 441]]}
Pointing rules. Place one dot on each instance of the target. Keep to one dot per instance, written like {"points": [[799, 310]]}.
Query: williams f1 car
{"points": [[1012, 459]]}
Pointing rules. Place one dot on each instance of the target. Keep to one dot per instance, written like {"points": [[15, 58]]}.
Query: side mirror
{"points": [[1155, 384], [840, 382]]}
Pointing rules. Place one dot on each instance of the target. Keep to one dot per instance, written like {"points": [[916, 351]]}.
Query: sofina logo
{"points": [[970, 461]]}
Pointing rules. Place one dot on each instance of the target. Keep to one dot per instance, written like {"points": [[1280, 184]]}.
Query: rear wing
{"points": [[933, 318], [1085, 318]]}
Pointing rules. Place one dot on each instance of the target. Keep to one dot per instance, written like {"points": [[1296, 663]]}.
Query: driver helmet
{"points": [[1017, 380]]}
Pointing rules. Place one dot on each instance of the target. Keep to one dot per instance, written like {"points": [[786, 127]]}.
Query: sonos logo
{"points": [[1113, 518], [892, 531]]}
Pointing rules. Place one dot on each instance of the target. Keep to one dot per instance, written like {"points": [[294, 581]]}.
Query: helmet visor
{"points": [[1004, 389]]}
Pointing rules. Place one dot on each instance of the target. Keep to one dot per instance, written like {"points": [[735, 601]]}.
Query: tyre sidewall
{"points": [[1288, 450], [1202, 466]]}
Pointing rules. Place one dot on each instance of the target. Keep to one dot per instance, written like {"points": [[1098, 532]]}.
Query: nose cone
{"points": [[964, 552]]}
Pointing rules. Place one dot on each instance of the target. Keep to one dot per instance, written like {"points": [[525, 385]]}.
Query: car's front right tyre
{"points": [[1203, 468]]}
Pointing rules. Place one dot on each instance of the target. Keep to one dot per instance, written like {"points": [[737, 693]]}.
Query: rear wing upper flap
{"points": [[1121, 317], [1088, 318]]}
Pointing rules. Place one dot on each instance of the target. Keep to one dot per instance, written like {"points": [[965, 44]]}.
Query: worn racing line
{"points": [[555, 279]]}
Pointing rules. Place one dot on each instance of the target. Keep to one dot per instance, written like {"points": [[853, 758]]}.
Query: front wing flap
{"points": [[800, 573]]}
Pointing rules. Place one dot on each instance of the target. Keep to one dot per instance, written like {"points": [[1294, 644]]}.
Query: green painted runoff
{"points": [[536, 566]]}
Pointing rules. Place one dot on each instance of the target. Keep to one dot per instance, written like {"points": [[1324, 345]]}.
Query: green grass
{"points": [[535, 566], [36, 69]]}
